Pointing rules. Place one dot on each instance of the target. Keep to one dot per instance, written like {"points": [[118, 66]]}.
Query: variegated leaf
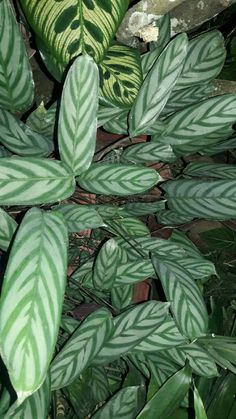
{"points": [[108, 113], [70, 27], [31, 300], [106, 264], [84, 274], [198, 268], [4, 152], [78, 115], [127, 226], [80, 217], [168, 217], [200, 360], [180, 238], [120, 75], [8, 227], [16, 80], [118, 124], [157, 86], [204, 169], [219, 147], [122, 405], [81, 349], [30, 181], [148, 152], [122, 297], [43, 120], [144, 208], [132, 272], [118, 179], [186, 300], [21, 139]]}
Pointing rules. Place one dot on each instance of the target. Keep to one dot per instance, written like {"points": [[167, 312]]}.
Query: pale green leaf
{"points": [[122, 297], [148, 152], [80, 217], [201, 362], [134, 271], [8, 227], [118, 124], [128, 226], [108, 113], [123, 405], [106, 264], [216, 170], [43, 120], [171, 218]]}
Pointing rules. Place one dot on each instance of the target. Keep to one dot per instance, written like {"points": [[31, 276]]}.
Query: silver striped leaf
{"points": [[16, 79], [205, 59], [30, 181], [157, 86], [215, 170], [118, 179], [31, 300], [180, 238], [168, 217], [122, 297], [107, 113], [21, 139], [43, 120], [201, 362], [80, 217], [118, 124], [124, 404], [219, 147], [185, 297], [212, 199], [106, 264], [77, 127], [149, 152], [81, 349], [144, 208], [8, 227], [133, 272], [127, 226], [198, 268]]}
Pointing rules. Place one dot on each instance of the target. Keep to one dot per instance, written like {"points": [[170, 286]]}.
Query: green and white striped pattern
{"points": [[220, 171], [43, 120], [20, 139], [205, 59], [144, 208], [212, 199], [118, 179], [80, 217], [149, 152], [135, 271], [107, 113], [106, 264], [8, 227], [200, 361], [78, 115], [31, 300], [186, 300], [157, 86], [219, 147], [128, 226], [122, 297], [16, 80], [72, 27], [198, 268], [30, 181], [120, 75], [180, 238], [168, 217], [81, 348], [124, 404], [118, 125]]}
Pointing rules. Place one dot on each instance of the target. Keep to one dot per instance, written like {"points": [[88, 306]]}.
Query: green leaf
{"points": [[169, 397], [200, 412], [205, 59], [16, 80], [144, 208], [30, 313], [106, 264], [80, 217], [216, 170], [81, 348], [123, 405], [43, 120], [134, 271], [202, 199], [122, 296], [78, 115], [222, 238], [30, 181], [169, 217], [128, 226], [118, 125], [118, 179], [120, 75], [55, 68], [148, 152], [201, 362], [219, 147], [4, 152], [69, 29], [223, 399], [157, 86], [21, 139], [180, 238], [108, 113], [8, 227], [186, 300]]}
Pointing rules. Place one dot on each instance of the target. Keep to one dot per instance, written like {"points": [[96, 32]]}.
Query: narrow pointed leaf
{"points": [[168, 217], [122, 405], [30, 181], [16, 80], [144, 208], [107, 113], [31, 300], [201, 362], [200, 412], [122, 296], [78, 115], [157, 86], [220, 170], [149, 152], [128, 226], [81, 348], [118, 179], [8, 227], [118, 125], [106, 264], [43, 120], [80, 217]]}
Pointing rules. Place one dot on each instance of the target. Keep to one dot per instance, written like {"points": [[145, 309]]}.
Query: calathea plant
{"points": [[124, 360]]}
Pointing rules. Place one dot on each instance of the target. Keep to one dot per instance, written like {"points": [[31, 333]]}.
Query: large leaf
{"points": [[157, 86], [123, 405], [7, 228], [80, 217], [70, 27], [21, 139], [169, 397], [201, 362], [120, 75], [185, 297], [28, 181], [16, 80], [149, 152], [31, 300], [214, 199], [204, 169], [81, 348], [118, 179], [106, 264], [219, 147]]}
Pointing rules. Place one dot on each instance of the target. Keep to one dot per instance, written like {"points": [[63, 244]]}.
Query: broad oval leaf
{"points": [[220, 170], [31, 300], [30, 181], [106, 264], [78, 115], [157, 86], [123, 405], [81, 348], [118, 179], [149, 152], [8, 227], [80, 217], [16, 79]]}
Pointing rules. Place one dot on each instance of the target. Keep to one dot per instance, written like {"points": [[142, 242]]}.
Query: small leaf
{"points": [[118, 125], [43, 120], [128, 226], [149, 152], [201, 362], [134, 271], [122, 297], [8, 227], [106, 264], [80, 217], [144, 208], [220, 170], [122, 405], [108, 113], [169, 217]]}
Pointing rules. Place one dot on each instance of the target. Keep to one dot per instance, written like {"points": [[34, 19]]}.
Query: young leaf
{"points": [[106, 264], [157, 86], [80, 217], [220, 170], [169, 397], [78, 115], [16, 80], [8, 227], [43, 120], [122, 405], [200, 412], [31, 300], [81, 348], [31, 181], [149, 152], [118, 179]]}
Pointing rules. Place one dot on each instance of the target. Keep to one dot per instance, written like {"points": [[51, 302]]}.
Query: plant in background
{"points": [[116, 358]]}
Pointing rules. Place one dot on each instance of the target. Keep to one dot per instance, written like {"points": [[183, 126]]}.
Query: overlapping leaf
{"points": [[118, 125], [80, 217], [219, 147], [107, 113], [220, 170], [122, 296], [29, 181], [118, 179], [122, 405], [127, 226], [16, 80], [8, 227], [198, 405], [144, 208], [43, 120], [134, 271], [31, 300], [200, 361], [157, 86], [149, 152], [106, 264], [171, 218]]}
